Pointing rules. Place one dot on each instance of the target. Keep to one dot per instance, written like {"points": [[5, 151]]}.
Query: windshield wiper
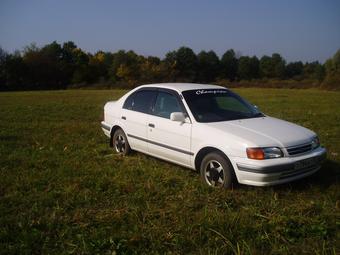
{"points": [[259, 114]]}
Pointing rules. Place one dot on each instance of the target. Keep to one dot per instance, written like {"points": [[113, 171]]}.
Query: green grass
{"points": [[63, 190]]}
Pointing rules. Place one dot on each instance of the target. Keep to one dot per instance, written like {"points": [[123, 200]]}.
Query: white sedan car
{"points": [[213, 130]]}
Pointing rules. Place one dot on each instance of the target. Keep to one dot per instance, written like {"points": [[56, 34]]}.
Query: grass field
{"points": [[63, 190]]}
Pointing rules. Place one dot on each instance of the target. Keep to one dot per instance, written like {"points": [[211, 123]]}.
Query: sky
{"points": [[306, 30]]}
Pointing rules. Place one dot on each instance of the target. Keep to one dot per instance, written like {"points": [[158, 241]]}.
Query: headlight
{"points": [[264, 153], [315, 143]]}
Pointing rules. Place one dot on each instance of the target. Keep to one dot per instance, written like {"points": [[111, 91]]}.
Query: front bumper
{"points": [[277, 171], [106, 128]]}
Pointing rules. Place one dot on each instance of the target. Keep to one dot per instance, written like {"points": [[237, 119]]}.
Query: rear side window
{"points": [[140, 101], [128, 102]]}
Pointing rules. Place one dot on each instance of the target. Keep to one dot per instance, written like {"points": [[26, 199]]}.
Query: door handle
{"points": [[151, 125], [123, 117]]}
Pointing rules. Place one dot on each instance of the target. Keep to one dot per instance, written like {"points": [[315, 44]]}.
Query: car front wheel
{"points": [[216, 171]]}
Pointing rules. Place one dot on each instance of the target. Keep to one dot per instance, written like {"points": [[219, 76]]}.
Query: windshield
{"points": [[212, 105]]}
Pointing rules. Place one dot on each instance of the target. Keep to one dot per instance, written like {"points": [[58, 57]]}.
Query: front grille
{"points": [[299, 149]]}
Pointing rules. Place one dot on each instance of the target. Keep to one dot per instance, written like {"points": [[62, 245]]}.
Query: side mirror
{"points": [[177, 116]]}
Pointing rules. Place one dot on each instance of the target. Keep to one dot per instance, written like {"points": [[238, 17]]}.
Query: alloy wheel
{"points": [[120, 143], [214, 175]]}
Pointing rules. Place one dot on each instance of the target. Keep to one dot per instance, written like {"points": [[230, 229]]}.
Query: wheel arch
{"points": [[206, 150]]}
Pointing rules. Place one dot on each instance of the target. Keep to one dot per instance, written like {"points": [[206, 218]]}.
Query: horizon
{"points": [[153, 29]]}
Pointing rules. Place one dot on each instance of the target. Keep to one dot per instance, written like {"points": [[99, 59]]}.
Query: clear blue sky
{"points": [[304, 30]]}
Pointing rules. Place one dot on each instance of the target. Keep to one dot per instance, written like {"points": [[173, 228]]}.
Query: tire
{"points": [[217, 171], [120, 142]]}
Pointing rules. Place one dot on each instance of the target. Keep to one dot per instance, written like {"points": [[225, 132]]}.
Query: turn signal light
{"points": [[255, 153]]}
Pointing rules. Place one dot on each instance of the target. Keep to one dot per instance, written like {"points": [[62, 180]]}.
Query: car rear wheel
{"points": [[120, 142], [216, 171]]}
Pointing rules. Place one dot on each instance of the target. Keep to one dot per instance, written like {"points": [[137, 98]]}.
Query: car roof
{"points": [[180, 87]]}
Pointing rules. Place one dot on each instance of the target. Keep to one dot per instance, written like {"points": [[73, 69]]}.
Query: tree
{"points": [[98, 66], [125, 67], [229, 64], [279, 66], [272, 67], [153, 70], [12, 71], [3, 56], [52, 73], [68, 61], [68, 52], [55, 66], [81, 69], [314, 71], [185, 62], [208, 66], [332, 66], [44, 66], [248, 68], [294, 70], [153, 60], [266, 67]]}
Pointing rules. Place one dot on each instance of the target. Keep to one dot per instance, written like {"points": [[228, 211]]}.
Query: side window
{"points": [[128, 102], [165, 105], [142, 100]]}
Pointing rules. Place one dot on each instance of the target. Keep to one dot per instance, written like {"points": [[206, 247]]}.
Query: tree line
{"points": [[56, 66]]}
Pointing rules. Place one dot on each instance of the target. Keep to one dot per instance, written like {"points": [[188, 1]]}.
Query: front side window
{"points": [[212, 105], [140, 101], [166, 104]]}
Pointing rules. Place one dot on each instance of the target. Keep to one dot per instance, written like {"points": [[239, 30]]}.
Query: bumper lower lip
{"points": [[280, 168]]}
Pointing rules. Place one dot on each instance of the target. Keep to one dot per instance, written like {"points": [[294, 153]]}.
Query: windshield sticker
{"points": [[217, 91]]}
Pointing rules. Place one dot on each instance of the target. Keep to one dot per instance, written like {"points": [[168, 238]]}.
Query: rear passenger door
{"points": [[169, 139], [134, 117]]}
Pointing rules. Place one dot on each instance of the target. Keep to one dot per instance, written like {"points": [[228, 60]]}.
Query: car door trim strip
{"points": [[162, 145]]}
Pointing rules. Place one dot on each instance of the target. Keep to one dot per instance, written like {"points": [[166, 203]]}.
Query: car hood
{"points": [[265, 131]]}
